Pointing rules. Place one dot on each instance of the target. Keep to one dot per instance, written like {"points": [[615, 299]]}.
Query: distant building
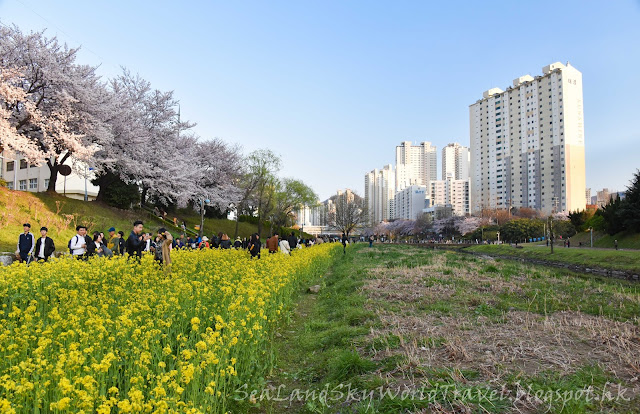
{"points": [[527, 143], [456, 162], [605, 195], [415, 164], [587, 196], [20, 175], [411, 201], [379, 192], [450, 192]]}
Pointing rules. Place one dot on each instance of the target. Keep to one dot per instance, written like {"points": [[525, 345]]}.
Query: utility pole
{"points": [[551, 232]]}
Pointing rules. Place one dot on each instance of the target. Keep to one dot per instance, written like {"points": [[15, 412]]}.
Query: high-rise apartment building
{"points": [[455, 162], [415, 164], [527, 143], [379, 191]]}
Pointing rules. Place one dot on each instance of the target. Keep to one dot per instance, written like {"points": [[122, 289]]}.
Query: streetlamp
{"points": [[235, 208], [498, 234], [202, 204], [86, 194]]}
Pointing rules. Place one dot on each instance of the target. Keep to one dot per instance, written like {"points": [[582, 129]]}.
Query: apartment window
{"points": [[23, 164], [33, 183], [22, 184], [10, 166], [10, 185], [46, 183]]}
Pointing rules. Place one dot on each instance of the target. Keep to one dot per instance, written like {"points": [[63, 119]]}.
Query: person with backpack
{"points": [[81, 245], [238, 243], [114, 241], [135, 243], [44, 246], [26, 243]]}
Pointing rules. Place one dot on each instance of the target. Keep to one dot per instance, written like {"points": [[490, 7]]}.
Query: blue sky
{"points": [[334, 86]]}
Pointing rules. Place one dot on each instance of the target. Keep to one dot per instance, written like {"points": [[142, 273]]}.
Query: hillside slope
{"points": [[61, 215]]}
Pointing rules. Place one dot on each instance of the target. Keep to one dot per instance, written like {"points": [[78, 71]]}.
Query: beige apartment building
{"points": [[415, 164], [527, 143], [379, 192]]}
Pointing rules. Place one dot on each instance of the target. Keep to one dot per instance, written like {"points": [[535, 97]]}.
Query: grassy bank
{"points": [[603, 240], [61, 215], [403, 329], [607, 259]]}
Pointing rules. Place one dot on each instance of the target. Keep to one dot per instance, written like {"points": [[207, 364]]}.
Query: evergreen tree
{"points": [[629, 212]]}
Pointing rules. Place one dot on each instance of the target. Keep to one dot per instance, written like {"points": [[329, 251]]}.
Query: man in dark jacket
{"points": [[44, 246], [293, 241], [122, 242], [134, 242], [26, 243]]}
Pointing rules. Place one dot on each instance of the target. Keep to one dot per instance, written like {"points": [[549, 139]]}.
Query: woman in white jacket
{"points": [[284, 246]]}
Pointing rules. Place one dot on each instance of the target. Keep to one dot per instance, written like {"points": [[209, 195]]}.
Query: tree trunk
{"points": [[103, 181], [54, 168], [53, 177], [143, 196]]}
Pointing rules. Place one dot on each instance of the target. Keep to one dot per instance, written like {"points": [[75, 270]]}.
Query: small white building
{"points": [[20, 175], [410, 202]]}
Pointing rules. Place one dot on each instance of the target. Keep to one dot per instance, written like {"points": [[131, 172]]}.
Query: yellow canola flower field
{"points": [[113, 336]]}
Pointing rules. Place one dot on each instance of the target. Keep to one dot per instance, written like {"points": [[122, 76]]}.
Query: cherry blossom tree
{"points": [[64, 107]]}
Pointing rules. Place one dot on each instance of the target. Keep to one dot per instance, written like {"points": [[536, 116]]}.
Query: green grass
{"points": [[331, 340], [61, 215], [607, 259]]}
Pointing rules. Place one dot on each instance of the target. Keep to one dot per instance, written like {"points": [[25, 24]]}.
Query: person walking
{"points": [[238, 243], [113, 243], [284, 247], [344, 243], [293, 241], [135, 242], [26, 244], [255, 245], [371, 241], [225, 242], [615, 244], [272, 244], [44, 246]]}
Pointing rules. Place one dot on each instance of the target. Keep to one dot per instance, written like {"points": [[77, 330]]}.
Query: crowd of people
{"points": [[82, 245]]}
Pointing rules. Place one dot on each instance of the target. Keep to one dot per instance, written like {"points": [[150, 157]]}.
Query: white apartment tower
{"points": [[527, 143], [379, 191], [455, 161], [415, 164]]}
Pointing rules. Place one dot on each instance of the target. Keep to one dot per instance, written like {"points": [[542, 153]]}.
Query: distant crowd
{"points": [[83, 245]]}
